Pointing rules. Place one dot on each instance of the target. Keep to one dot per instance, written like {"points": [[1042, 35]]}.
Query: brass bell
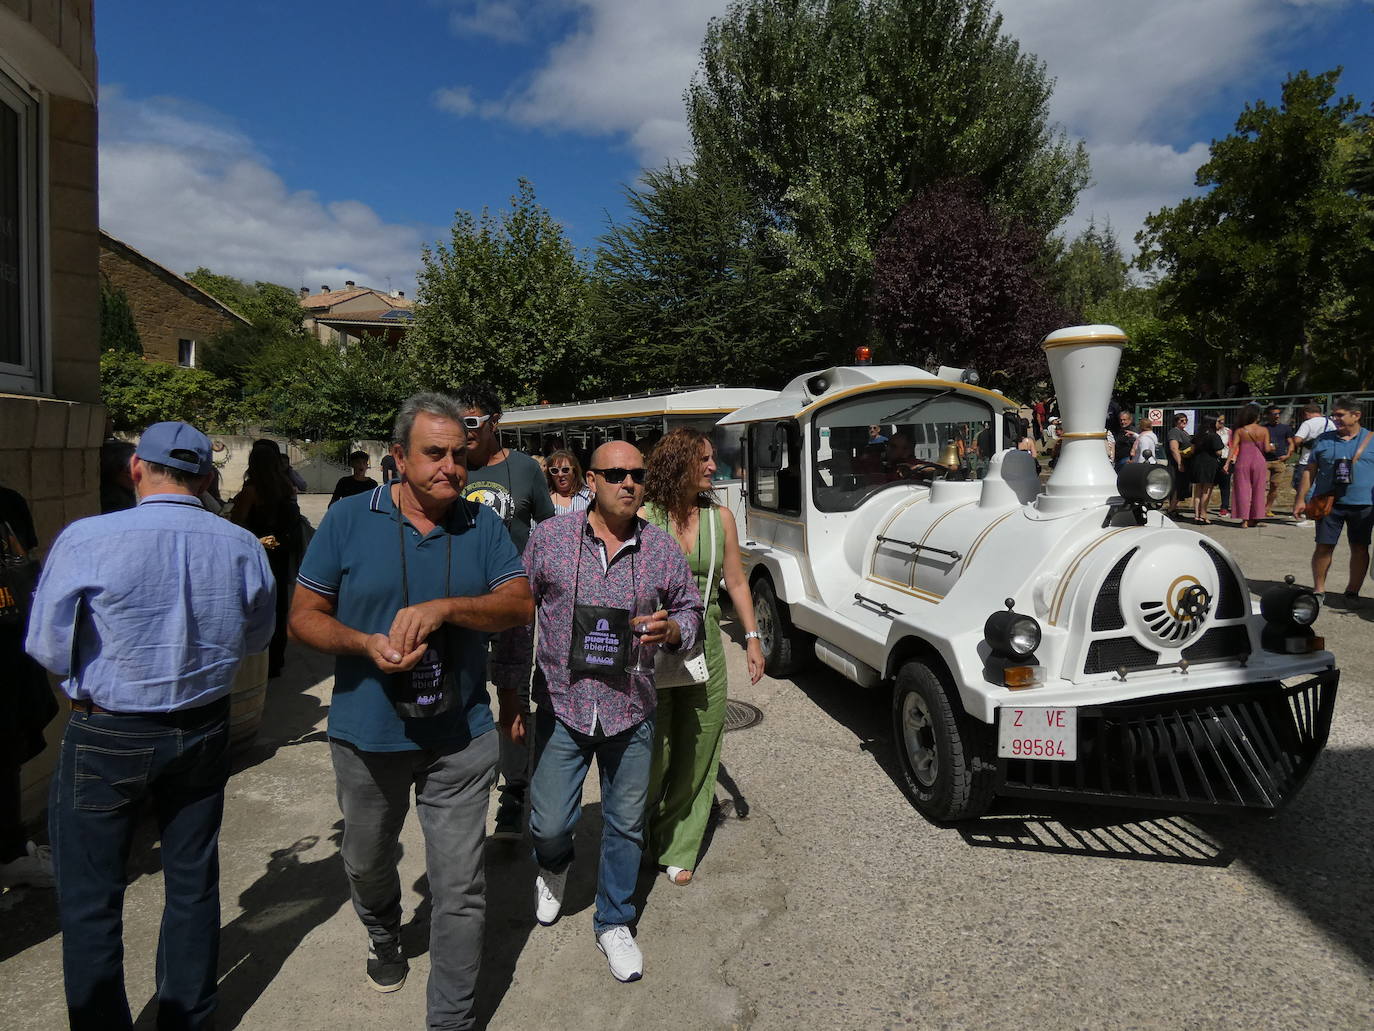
{"points": [[949, 455]]}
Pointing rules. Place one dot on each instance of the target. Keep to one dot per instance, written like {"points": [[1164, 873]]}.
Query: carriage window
{"points": [[775, 467], [902, 436]]}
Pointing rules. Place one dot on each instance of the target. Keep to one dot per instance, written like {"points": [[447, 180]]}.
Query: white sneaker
{"points": [[617, 944], [548, 895], [33, 869]]}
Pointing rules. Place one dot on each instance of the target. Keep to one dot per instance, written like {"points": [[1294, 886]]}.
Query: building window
{"points": [[21, 322], [186, 353]]}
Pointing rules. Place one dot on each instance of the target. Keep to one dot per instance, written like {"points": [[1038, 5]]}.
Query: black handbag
{"points": [[18, 578]]}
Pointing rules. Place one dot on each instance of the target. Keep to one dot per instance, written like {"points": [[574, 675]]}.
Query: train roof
{"points": [[700, 401], [814, 388]]}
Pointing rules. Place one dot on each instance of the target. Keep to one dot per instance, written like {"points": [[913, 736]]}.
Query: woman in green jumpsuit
{"points": [[690, 720]]}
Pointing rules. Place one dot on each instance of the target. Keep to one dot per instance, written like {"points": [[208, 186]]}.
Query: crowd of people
{"points": [[425, 588]]}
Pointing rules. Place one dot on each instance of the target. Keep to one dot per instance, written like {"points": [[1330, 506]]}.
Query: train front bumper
{"points": [[1243, 748]]}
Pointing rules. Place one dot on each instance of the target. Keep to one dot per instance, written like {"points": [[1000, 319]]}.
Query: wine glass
{"points": [[641, 660]]}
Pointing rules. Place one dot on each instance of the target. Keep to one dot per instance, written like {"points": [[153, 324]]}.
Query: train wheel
{"points": [[782, 644], [945, 756]]}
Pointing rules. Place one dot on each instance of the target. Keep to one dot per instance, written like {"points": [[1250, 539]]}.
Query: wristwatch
{"points": [[753, 635]]}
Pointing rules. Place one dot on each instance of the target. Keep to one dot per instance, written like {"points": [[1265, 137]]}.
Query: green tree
{"points": [[507, 301], [138, 392], [1159, 362], [832, 114], [268, 306], [1262, 265], [1090, 269], [118, 331], [686, 292]]}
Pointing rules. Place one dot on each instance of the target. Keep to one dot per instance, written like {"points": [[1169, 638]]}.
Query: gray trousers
{"points": [[451, 794], [512, 659]]}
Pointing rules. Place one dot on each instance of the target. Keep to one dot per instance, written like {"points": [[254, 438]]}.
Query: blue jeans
{"points": [[109, 765], [562, 759]]}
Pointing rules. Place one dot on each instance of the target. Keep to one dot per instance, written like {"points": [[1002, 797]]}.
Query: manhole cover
{"points": [[741, 715]]}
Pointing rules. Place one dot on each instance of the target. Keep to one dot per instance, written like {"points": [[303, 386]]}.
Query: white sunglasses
{"points": [[474, 422]]}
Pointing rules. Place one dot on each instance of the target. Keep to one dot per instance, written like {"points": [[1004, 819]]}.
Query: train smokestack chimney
{"points": [[1083, 362]]}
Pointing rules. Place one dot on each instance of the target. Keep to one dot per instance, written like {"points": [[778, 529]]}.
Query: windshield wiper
{"points": [[905, 412]]}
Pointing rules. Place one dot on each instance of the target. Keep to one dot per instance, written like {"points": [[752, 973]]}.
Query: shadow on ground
{"points": [[1314, 852]]}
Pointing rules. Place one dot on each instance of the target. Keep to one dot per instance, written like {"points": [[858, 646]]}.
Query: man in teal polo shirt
{"points": [[405, 584]]}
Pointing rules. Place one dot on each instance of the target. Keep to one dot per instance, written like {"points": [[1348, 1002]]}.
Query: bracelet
{"points": [[753, 635]]}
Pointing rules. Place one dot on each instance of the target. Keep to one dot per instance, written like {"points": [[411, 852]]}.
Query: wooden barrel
{"points": [[246, 700]]}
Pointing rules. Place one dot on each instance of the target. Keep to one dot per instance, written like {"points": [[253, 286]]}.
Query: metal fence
{"points": [[1290, 404]]}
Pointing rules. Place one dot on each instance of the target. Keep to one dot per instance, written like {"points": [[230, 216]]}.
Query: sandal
{"points": [[678, 876]]}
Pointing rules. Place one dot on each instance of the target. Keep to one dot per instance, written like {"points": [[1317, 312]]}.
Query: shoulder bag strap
{"points": [[1368, 434], [711, 572]]}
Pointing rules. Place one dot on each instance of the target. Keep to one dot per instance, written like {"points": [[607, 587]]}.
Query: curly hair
{"points": [[674, 474], [559, 456]]}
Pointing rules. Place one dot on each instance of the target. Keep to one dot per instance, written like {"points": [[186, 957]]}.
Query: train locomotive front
{"points": [[1063, 640]]}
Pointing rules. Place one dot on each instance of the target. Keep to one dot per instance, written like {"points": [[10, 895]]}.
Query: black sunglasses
{"points": [[618, 475]]}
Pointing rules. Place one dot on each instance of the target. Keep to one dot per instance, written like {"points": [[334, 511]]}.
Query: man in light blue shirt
{"points": [[146, 614]]}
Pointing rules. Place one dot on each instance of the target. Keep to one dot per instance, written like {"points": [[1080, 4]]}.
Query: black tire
{"points": [[946, 756], [784, 647]]}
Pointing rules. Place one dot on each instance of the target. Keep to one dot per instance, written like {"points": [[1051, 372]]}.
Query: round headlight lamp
{"points": [[1288, 603], [1012, 634], [1145, 483]]}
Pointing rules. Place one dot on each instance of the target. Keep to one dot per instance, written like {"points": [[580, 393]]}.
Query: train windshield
{"points": [[867, 443]]}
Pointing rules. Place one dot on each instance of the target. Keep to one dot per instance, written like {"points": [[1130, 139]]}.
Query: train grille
{"points": [[1115, 652], [1221, 642], [1231, 604], [1107, 613], [1250, 747]]}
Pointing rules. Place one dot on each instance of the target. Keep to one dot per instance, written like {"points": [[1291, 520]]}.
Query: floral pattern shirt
{"points": [[649, 566]]}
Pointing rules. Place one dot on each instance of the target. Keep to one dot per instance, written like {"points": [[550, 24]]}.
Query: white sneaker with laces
{"points": [[548, 895], [622, 953], [33, 869]]}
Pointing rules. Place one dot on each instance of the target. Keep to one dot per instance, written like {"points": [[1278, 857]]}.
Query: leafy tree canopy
{"points": [[687, 292], [1090, 269], [832, 114], [507, 301], [954, 284], [138, 392], [1266, 265]]}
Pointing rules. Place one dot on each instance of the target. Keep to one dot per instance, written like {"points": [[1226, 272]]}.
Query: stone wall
{"points": [[50, 453], [166, 309]]}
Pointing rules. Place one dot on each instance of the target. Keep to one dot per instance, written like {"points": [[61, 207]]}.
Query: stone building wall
{"points": [[166, 308], [49, 445]]}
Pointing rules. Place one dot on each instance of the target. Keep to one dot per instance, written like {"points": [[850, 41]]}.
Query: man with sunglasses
{"points": [[1342, 462], [594, 576], [512, 485]]}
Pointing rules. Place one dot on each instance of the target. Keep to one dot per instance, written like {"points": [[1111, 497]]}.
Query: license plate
{"points": [[1037, 732]]}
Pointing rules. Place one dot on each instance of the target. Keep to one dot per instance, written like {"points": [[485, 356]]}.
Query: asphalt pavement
{"points": [[824, 900]]}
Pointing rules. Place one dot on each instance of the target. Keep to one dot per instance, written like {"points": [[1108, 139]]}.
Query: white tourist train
{"points": [[1060, 639]]}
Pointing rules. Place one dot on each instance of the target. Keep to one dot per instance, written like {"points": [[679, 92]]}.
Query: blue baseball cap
{"points": [[176, 445]]}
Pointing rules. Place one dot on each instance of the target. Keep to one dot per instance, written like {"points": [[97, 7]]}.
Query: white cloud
{"points": [[1131, 180], [187, 191], [456, 100], [506, 21]]}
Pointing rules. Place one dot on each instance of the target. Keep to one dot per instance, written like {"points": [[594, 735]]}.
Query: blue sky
{"points": [[309, 143]]}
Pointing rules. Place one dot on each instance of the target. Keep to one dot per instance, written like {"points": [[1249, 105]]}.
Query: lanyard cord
{"points": [[405, 573], [577, 569]]}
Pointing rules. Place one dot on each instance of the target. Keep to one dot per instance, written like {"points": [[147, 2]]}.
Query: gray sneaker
{"points": [[386, 966]]}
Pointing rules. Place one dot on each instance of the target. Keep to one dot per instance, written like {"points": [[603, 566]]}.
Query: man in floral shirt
{"points": [[594, 576]]}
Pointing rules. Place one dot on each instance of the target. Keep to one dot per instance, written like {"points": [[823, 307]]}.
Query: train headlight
{"points": [[1289, 612], [1288, 603], [1144, 483], [1012, 634]]}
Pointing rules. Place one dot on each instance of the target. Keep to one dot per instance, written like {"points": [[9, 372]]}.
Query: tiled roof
{"points": [[333, 297]]}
